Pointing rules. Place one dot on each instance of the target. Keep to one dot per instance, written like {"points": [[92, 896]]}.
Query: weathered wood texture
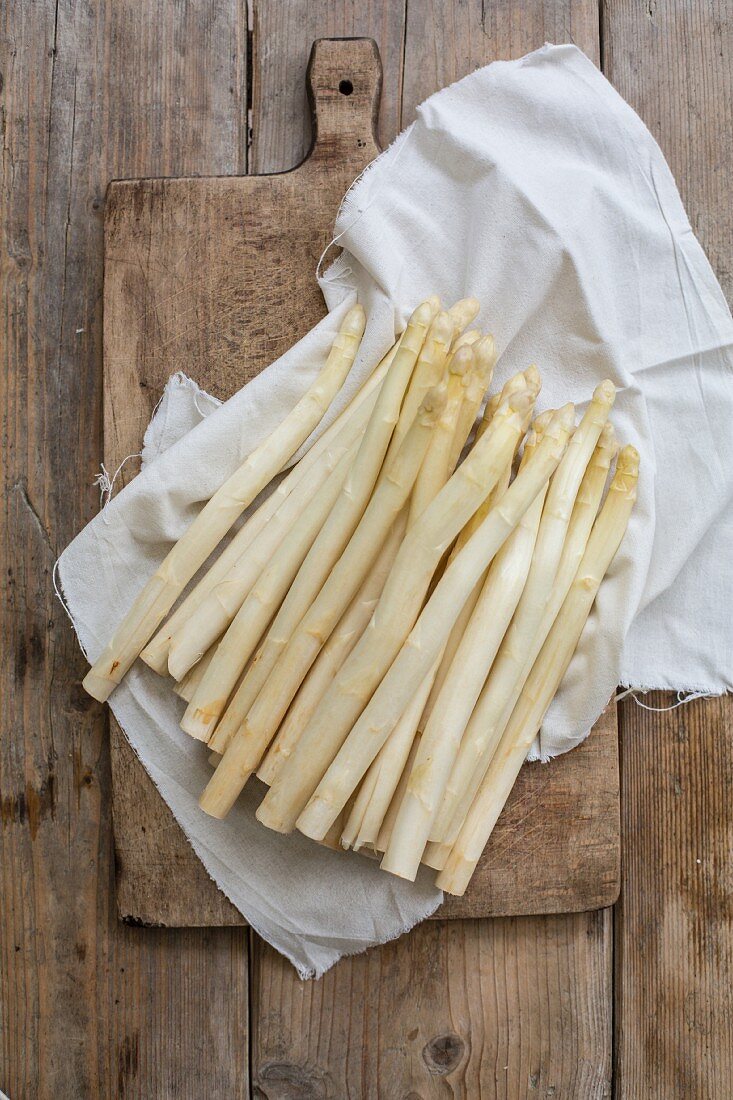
{"points": [[184, 262], [89, 1007], [477, 1009], [674, 927], [674, 924], [282, 36]]}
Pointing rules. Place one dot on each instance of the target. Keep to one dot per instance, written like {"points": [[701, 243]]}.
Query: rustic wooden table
{"points": [[636, 1002]]}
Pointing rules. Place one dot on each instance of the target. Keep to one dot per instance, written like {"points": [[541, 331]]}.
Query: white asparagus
{"points": [[462, 686], [463, 312], [219, 513], [436, 854], [390, 817], [435, 470], [585, 509], [430, 633], [515, 384], [524, 637], [246, 749], [335, 531], [347, 426], [378, 786], [483, 734], [394, 616], [351, 626], [464, 781], [219, 608], [380, 782], [466, 339], [186, 687], [427, 373], [479, 380], [246, 629], [466, 611], [547, 673]]}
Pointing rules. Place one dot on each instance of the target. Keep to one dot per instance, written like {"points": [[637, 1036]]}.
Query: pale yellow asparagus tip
{"points": [[353, 323], [542, 422], [533, 379], [627, 470], [461, 361], [485, 353], [466, 339], [464, 311], [515, 384]]}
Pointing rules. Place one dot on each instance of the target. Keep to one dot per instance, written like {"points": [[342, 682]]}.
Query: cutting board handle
{"points": [[344, 81]]}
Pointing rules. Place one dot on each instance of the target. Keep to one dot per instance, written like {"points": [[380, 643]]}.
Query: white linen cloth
{"points": [[533, 186]]}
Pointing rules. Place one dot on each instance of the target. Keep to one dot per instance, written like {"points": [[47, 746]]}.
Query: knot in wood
{"points": [[443, 1053], [288, 1081]]}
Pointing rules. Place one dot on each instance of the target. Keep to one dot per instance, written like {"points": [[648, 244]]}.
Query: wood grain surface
{"points": [[492, 1008], [515, 1008], [215, 277], [674, 928], [88, 1007]]}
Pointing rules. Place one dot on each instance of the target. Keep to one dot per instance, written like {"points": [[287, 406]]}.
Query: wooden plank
{"points": [[88, 1007], [492, 1008], [446, 39], [674, 947], [674, 957]]}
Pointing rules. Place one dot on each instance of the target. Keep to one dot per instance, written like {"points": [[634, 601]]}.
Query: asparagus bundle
{"points": [[344, 430], [381, 638], [431, 631], [219, 513], [544, 679], [549, 579], [378, 787], [250, 742], [461, 687], [394, 615], [418, 350]]}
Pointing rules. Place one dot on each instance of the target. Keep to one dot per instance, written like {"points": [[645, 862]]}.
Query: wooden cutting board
{"points": [[215, 277]]}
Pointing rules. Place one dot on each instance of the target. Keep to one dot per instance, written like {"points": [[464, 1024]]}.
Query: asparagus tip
{"points": [[605, 391], [461, 361]]}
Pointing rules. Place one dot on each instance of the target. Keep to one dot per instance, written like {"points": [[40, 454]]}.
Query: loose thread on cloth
{"points": [[106, 484], [682, 698]]}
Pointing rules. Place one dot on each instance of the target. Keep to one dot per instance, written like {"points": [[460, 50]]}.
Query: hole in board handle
{"points": [[346, 87]]}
